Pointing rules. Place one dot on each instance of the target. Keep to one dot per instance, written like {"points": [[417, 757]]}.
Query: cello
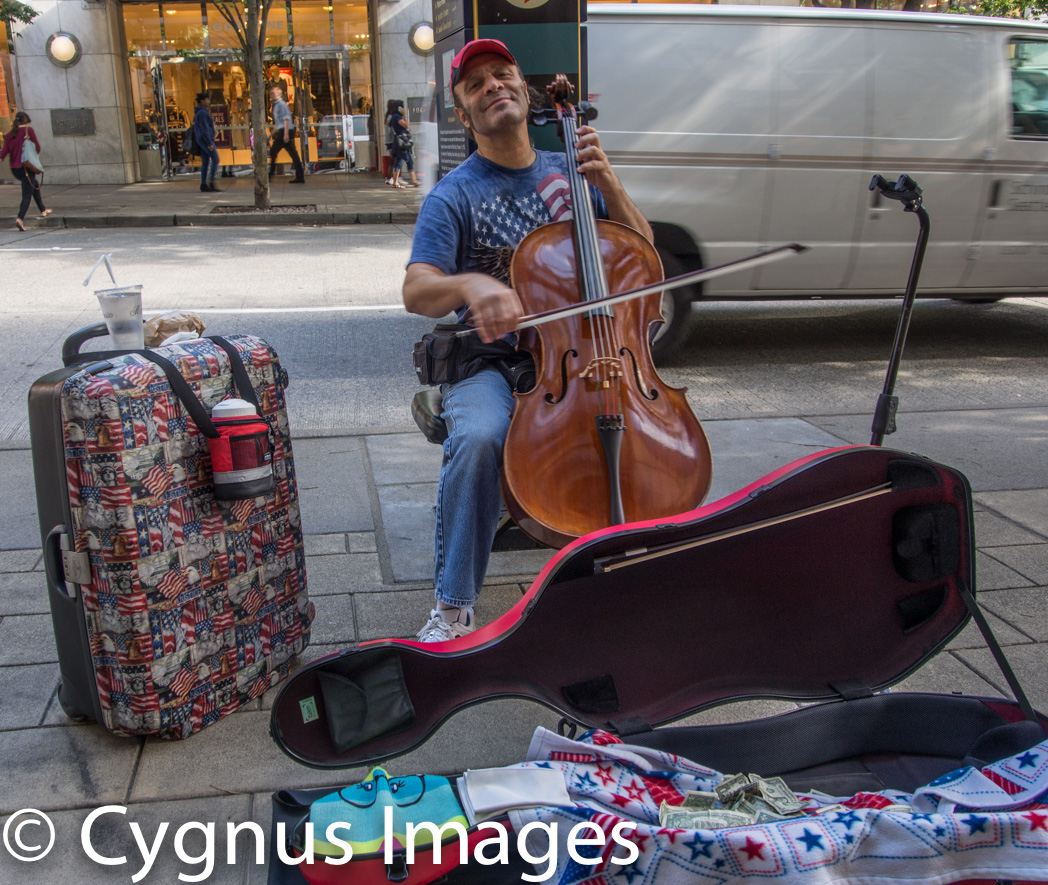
{"points": [[600, 439]]}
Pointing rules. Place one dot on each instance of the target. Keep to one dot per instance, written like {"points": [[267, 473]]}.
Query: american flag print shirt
{"points": [[476, 215]]}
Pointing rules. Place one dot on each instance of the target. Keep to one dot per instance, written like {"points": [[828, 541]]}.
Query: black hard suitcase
{"points": [[170, 608], [825, 582]]}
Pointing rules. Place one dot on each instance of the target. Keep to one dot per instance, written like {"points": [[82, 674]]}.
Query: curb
{"points": [[234, 219]]}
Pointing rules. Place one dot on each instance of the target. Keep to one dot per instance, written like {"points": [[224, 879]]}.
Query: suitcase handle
{"points": [[53, 561], [71, 346]]}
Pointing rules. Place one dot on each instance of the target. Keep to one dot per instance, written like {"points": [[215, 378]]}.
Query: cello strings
{"points": [[592, 268], [603, 320]]}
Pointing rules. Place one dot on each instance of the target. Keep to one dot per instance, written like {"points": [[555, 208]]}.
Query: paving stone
{"points": [[25, 693], [946, 673], [744, 451], [19, 525], [325, 545], [971, 636], [1029, 560], [334, 621], [1027, 507], [1027, 609], [64, 768], [404, 459], [23, 593], [992, 574], [27, 639], [333, 485], [992, 530], [361, 542], [345, 573], [21, 560], [1028, 663], [236, 755]]}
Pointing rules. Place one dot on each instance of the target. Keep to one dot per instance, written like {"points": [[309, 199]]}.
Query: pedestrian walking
{"points": [[12, 148], [392, 107], [283, 136], [403, 145], [204, 138]]}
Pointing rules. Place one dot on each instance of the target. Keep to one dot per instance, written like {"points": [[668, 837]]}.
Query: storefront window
{"points": [[178, 49], [311, 20], [276, 26], [351, 23], [183, 26], [7, 83], [142, 27]]}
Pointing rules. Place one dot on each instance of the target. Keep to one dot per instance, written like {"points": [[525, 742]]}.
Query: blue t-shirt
{"points": [[474, 217]]}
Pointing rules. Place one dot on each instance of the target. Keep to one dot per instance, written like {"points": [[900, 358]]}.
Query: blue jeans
{"points": [[207, 156], [477, 412], [30, 190]]}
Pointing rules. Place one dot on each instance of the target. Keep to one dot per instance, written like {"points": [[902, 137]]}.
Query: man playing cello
{"points": [[467, 229]]}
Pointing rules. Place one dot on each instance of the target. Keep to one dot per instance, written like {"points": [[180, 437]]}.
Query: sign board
{"points": [[543, 35], [72, 121]]}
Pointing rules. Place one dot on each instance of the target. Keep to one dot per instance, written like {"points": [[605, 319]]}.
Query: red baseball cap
{"points": [[477, 47]]}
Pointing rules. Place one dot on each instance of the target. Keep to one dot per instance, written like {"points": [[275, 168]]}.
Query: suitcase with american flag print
{"points": [[171, 609]]}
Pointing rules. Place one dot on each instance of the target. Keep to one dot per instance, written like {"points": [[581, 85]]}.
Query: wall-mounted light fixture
{"points": [[420, 38], [63, 49]]}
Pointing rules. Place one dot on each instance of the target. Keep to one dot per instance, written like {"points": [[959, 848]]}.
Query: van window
{"points": [[1029, 66]]}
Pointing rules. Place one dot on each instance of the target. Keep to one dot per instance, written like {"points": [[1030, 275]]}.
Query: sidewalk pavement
{"points": [[367, 507], [325, 198]]}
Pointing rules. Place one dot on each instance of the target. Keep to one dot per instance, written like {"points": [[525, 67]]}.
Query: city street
{"points": [[772, 382], [328, 299]]}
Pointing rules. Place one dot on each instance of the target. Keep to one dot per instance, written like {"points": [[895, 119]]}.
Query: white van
{"points": [[735, 128]]}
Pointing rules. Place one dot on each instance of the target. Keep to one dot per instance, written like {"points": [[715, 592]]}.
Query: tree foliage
{"points": [[12, 11], [248, 19], [1028, 9]]}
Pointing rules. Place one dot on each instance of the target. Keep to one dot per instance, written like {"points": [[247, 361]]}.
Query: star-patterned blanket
{"points": [[969, 824]]}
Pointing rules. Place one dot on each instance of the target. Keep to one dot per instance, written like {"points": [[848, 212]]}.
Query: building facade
{"points": [[110, 87]]}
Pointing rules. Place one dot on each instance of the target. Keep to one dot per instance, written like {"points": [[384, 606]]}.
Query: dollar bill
{"points": [[828, 808], [759, 811], [699, 799], [705, 819], [730, 786], [778, 795]]}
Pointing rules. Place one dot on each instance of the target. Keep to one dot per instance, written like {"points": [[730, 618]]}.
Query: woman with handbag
{"points": [[402, 146], [22, 149]]}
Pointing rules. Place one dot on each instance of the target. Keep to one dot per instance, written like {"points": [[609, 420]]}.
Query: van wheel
{"points": [[668, 340]]}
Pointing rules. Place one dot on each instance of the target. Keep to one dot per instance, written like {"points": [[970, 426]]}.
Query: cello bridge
{"points": [[603, 369]]}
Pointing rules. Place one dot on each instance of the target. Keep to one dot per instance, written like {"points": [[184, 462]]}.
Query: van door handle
{"points": [[995, 194]]}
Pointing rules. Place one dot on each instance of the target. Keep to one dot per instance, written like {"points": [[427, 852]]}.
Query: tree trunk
{"points": [[256, 79]]}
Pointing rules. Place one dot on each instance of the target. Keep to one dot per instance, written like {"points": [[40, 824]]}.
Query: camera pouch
{"points": [[436, 356], [443, 357]]}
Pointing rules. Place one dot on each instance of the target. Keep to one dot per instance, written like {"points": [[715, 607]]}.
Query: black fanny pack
{"points": [[442, 357]]}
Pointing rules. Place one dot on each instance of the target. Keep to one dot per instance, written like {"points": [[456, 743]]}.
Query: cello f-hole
{"points": [[550, 398], [651, 394]]}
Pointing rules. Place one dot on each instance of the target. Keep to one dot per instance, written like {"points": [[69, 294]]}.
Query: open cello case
{"points": [[825, 582]]}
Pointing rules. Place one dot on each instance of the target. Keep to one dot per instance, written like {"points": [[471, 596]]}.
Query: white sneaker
{"points": [[439, 629]]}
